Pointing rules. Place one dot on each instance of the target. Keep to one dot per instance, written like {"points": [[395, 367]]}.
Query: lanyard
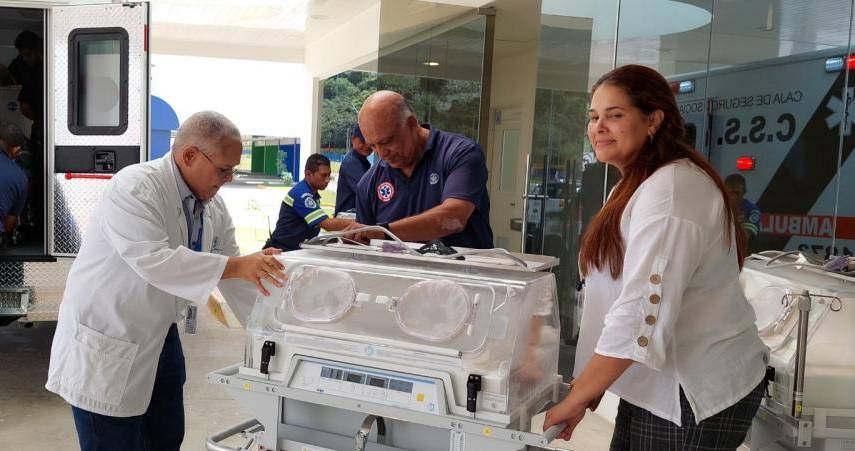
{"points": [[197, 244]]}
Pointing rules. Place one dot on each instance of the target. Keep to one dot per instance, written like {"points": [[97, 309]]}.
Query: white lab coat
{"points": [[131, 280]]}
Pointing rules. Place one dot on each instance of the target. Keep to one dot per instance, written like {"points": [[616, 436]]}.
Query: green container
{"points": [[271, 156], [257, 166]]}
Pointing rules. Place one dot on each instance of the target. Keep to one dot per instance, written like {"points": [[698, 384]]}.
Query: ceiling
{"points": [[280, 30], [575, 34]]}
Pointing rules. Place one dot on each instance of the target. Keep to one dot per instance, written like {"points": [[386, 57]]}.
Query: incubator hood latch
{"points": [[473, 386], [268, 349]]}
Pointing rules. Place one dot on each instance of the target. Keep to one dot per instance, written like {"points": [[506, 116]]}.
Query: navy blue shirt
{"points": [[452, 167], [13, 188], [353, 167], [300, 218]]}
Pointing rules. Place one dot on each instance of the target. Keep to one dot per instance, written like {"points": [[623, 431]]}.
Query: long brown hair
{"points": [[648, 91]]}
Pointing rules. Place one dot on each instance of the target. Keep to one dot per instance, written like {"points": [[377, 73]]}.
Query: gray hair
{"points": [[205, 130]]}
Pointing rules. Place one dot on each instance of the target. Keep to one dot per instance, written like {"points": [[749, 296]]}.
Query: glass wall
{"points": [[438, 71], [763, 87], [566, 185], [774, 96]]}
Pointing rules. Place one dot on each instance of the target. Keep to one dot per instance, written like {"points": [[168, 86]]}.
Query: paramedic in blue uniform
{"points": [[13, 181], [429, 185], [353, 167], [301, 216], [747, 213]]}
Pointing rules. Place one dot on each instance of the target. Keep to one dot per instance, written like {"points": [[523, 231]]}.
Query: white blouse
{"points": [[678, 309]]}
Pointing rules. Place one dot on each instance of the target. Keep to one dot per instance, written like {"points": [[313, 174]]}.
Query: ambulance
{"points": [[784, 125], [92, 121]]}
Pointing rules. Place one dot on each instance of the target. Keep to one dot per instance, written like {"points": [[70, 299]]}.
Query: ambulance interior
{"points": [[28, 238]]}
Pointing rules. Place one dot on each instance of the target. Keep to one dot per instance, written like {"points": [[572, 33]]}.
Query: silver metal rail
{"points": [[325, 239], [801, 354], [803, 303], [250, 426], [365, 430]]}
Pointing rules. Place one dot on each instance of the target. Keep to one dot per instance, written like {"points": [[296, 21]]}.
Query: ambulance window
{"points": [[98, 81], [691, 135]]}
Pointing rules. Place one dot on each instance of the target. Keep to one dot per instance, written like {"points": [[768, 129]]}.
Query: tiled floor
{"points": [[32, 418]]}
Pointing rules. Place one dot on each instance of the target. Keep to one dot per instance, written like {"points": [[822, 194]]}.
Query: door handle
{"points": [[516, 224]]}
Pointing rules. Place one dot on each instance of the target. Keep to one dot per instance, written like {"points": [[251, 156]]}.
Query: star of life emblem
{"points": [[385, 191]]}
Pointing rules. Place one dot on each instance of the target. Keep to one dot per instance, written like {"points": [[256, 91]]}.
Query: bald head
{"points": [[205, 130], [386, 106], [390, 127]]}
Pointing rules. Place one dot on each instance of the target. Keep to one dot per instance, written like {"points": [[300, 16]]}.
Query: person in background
{"points": [[666, 326], [353, 167], [430, 184], [27, 69], [13, 181], [301, 216], [6, 78], [747, 213]]}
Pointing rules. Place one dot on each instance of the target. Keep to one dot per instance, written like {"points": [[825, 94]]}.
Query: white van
{"points": [[778, 124]]}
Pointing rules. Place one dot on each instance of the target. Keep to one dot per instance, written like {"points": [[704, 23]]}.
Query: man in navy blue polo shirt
{"points": [[301, 216], [353, 167], [429, 185], [13, 181]]}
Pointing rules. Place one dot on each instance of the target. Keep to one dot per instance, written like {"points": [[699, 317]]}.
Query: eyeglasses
{"points": [[223, 172]]}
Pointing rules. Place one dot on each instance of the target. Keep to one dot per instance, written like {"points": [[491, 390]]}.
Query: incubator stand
{"points": [[442, 354], [806, 317]]}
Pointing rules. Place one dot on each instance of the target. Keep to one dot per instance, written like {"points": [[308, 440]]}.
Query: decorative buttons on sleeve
{"points": [[642, 341], [655, 298], [650, 320], [655, 279]]}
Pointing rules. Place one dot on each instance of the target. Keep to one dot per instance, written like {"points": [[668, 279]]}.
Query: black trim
{"points": [[27, 258], [83, 158], [97, 34]]}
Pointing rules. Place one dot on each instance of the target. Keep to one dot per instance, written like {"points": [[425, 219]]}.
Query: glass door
{"points": [[565, 184]]}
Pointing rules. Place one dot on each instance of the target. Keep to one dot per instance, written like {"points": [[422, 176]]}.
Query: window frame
{"points": [[76, 37]]}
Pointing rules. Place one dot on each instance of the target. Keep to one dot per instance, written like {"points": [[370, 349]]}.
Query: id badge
{"points": [[190, 319]]}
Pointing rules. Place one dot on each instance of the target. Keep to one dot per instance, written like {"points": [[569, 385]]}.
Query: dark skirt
{"points": [[637, 429]]}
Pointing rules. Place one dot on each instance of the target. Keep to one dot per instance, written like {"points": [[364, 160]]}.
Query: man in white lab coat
{"points": [[156, 245]]}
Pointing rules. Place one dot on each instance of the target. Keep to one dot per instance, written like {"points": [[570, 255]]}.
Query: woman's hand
{"points": [[568, 412]]}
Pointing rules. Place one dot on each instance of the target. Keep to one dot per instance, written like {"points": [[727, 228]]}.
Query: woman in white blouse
{"points": [[665, 323]]}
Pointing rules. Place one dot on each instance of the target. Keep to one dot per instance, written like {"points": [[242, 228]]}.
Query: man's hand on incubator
{"points": [[366, 236], [257, 267]]}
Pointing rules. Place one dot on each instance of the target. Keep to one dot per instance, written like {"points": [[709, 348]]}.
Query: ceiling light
{"points": [[430, 63]]}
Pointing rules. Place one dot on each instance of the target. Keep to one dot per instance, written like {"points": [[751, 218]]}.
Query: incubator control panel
{"points": [[368, 384]]}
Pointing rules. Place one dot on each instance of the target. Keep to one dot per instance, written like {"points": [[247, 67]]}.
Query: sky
{"points": [[260, 97]]}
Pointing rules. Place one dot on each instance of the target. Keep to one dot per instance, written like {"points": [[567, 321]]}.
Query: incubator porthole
{"points": [[769, 308], [434, 310], [320, 295]]}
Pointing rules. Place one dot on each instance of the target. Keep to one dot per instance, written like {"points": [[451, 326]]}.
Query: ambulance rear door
{"points": [[98, 109]]}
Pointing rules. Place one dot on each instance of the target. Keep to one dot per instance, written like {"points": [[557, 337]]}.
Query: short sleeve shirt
{"points": [[353, 167], [452, 167], [13, 187], [300, 217]]}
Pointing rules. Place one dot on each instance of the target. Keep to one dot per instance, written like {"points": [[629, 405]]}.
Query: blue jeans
{"points": [[160, 428]]}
